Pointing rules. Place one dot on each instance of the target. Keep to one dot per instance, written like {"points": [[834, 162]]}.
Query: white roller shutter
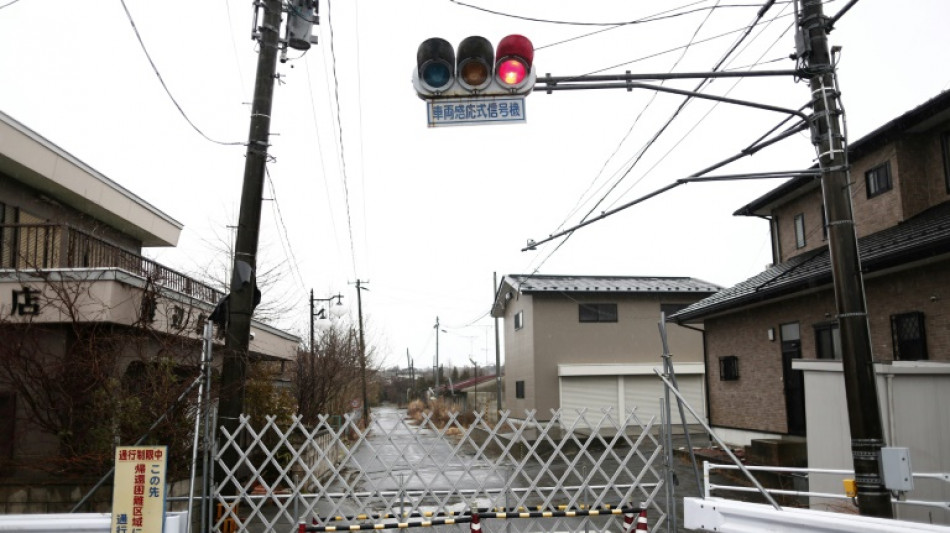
{"points": [[644, 393], [587, 392]]}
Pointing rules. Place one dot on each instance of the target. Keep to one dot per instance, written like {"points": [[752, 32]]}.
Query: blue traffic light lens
{"points": [[436, 75]]}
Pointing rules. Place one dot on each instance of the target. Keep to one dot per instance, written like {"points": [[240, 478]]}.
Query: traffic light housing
{"points": [[475, 68]]}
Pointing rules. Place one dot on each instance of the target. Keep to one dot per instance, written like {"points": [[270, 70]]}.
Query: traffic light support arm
{"points": [[629, 85], [752, 149], [550, 80]]}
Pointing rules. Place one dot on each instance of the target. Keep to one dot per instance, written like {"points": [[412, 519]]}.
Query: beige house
{"points": [[72, 279], [593, 342]]}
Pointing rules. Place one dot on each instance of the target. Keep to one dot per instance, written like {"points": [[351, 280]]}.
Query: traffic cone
{"points": [[628, 522], [476, 527], [642, 520]]}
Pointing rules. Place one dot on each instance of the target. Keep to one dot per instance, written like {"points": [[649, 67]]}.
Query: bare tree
{"points": [[90, 383], [277, 297], [329, 378]]}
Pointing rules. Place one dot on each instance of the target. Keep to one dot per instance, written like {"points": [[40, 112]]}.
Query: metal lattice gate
{"points": [[403, 473]]}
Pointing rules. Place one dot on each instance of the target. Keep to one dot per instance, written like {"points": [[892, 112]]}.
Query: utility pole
{"points": [[497, 347], [864, 415], [359, 310], [243, 278], [436, 357], [412, 375]]}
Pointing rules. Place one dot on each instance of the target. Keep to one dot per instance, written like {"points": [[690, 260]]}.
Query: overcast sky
{"points": [[360, 188]]}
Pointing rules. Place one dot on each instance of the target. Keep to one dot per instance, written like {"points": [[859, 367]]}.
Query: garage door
{"points": [[588, 392], [644, 393], [622, 393]]}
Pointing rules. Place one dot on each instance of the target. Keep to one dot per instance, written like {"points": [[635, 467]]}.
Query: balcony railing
{"points": [[46, 246]]}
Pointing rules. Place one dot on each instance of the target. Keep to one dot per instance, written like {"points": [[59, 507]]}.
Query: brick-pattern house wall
{"points": [[872, 215], [809, 205], [925, 289], [756, 401], [921, 156]]}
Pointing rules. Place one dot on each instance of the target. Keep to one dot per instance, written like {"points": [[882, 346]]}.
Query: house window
{"points": [[597, 312], [878, 179], [729, 368], [519, 389], [800, 230], [910, 340], [828, 341], [945, 146], [671, 309], [519, 320]]}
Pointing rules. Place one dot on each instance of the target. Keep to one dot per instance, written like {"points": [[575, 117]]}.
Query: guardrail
{"points": [[709, 487]]}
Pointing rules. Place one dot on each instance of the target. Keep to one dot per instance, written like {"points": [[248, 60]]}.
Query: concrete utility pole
{"points": [[243, 277], [497, 347], [436, 357], [864, 415], [359, 311]]}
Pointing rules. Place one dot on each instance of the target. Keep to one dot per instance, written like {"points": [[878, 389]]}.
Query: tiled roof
{"points": [[926, 235], [549, 283]]}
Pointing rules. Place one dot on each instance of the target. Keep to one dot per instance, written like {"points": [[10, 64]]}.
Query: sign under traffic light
{"points": [[475, 69]]}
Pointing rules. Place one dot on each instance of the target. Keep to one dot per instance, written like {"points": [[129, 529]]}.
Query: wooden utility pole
{"points": [[864, 414]]}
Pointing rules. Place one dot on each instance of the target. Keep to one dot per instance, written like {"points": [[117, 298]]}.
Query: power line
{"points": [[581, 200], [698, 122], [677, 112], [282, 232], [657, 54], [323, 164], [663, 128], [359, 107], [162, 81], [8, 4], [663, 15], [635, 122], [339, 122]]}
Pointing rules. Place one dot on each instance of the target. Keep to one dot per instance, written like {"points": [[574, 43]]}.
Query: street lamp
{"points": [[323, 322]]}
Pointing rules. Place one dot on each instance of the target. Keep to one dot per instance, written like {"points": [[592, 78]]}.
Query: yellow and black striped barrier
{"points": [[464, 517]]}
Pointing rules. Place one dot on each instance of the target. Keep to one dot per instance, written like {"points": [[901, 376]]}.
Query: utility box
{"points": [[898, 474]]}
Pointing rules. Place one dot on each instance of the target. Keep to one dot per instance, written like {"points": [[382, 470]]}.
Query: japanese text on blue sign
{"points": [[463, 111]]}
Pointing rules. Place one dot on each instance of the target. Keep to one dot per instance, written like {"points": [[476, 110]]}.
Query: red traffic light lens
{"points": [[511, 72], [513, 59]]}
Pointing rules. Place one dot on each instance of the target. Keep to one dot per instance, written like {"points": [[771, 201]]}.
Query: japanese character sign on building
{"points": [[138, 498], [25, 302], [484, 110]]}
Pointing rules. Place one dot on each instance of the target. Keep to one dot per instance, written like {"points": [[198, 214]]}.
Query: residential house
{"points": [[70, 264], [593, 342], [772, 344]]}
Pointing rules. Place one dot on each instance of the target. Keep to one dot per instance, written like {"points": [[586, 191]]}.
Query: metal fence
{"points": [[402, 472]]}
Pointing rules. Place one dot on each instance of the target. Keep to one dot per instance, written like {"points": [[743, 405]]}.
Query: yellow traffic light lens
{"points": [[474, 73], [511, 72]]}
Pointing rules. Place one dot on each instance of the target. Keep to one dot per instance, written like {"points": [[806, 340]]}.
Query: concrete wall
{"points": [[912, 397]]}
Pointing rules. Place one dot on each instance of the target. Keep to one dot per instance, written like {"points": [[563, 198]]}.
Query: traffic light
{"points": [[477, 69]]}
